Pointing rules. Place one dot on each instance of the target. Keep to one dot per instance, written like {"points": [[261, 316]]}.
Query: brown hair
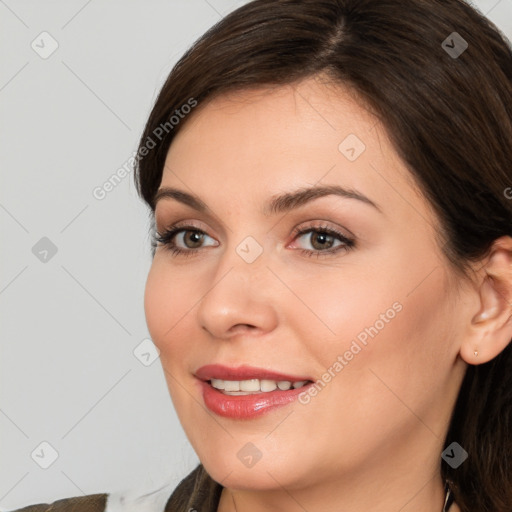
{"points": [[449, 117]]}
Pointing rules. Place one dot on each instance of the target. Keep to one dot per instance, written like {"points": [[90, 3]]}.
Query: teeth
{"points": [[268, 385], [217, 383], [247, 387], [231, 385], [250, 385]]}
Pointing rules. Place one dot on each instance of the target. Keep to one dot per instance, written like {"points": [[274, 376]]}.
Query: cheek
{"points": [[165, 305], [394, 319], [409, 357], [154, 304], [340, 306]]}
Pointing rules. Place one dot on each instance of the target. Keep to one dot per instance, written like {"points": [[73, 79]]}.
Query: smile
{"points": [[253, 386], [246, 392]]}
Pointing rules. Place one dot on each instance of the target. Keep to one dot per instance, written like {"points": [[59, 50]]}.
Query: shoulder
{"points": [[197, 491], [89, 503], [130, 500]]}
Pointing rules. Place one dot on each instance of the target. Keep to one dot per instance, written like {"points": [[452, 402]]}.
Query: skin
{"points": [[372, 437]]}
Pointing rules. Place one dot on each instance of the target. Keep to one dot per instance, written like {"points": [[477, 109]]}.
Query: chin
{"points": [[271, 471], [241, 478]]}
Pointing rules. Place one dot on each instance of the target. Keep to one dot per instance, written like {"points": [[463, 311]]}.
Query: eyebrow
{"points": [[277, 204]]}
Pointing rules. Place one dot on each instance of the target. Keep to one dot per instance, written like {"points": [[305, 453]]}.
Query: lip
{"points": [[244, 372], [246, 406]]}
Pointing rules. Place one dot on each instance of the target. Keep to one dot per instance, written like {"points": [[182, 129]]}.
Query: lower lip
{"points": [[247, 406]]}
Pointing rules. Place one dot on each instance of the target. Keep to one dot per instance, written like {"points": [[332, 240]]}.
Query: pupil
{"points": [[322, 237], [195, 234]]}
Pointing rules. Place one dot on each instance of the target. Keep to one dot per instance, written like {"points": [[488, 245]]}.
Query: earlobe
{"points": [[491, 327]]}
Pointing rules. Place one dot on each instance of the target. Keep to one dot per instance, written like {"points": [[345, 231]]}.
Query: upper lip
{"points": [[244, 372]]}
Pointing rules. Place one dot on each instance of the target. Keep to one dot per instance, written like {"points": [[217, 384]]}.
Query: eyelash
{"points": [[165, 239]]}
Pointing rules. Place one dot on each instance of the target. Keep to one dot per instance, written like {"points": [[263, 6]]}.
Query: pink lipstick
{"points": [[245, 392]]}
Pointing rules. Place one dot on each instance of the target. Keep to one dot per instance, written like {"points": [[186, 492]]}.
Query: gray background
{"points": [[72, 320]]}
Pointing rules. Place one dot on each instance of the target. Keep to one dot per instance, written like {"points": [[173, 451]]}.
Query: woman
{"points": [[331, 285]]}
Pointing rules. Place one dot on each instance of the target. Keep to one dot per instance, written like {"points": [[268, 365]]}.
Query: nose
{"points": [[241, 297]]}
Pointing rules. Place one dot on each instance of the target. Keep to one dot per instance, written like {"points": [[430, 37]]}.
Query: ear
{"points": [[491, 327]]}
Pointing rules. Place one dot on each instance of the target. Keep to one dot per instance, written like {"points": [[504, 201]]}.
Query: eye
{"points": [[323, 238], [187, 240], [190, 237]]}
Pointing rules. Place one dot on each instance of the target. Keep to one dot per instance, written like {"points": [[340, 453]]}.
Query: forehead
{"points": [[250, 144], [278, 116]]}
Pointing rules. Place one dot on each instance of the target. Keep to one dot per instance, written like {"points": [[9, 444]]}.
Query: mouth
{"points": [[245, 392], [254, 386], [244, 372]]}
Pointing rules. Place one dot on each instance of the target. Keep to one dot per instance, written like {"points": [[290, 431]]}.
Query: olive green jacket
{"points": [[197, 492]]}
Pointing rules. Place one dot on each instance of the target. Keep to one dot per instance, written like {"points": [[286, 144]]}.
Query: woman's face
{"points": [[369, 315]]}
